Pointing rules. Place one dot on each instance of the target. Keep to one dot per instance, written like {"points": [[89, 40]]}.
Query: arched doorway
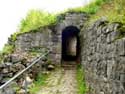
{"points": [[70, 44]]}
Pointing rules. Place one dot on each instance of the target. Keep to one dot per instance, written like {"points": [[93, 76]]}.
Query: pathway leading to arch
{"points": [[61, 81]]}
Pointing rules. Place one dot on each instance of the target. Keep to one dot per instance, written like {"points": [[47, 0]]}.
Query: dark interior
{"points": [[68, 35]]}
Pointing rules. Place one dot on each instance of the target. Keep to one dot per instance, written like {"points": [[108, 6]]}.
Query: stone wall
{"points": [[50, 37], [69, 19], [102, 51], [103, 57], [27, 41]]}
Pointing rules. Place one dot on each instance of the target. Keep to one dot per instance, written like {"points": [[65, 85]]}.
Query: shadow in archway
{"points": [[70, 44]]}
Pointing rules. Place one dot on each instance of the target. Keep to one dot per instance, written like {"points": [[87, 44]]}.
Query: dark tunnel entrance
{"points": [[70, 44]]}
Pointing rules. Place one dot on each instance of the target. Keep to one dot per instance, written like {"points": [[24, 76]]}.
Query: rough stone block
{"points": [[122, 77], [121, 47], [107, 61], [108, 38]]}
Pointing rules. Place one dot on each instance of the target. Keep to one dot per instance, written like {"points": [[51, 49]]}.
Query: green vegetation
{"points": [[113, 10], [8, 49], [121, 32], [36, 19], [31, 23], [91, 8], [1, 57], [80, 80], [38, 83]]}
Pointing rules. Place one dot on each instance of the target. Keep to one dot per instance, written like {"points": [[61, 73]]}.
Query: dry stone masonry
{"points": [[103, 58], [50, 37]]}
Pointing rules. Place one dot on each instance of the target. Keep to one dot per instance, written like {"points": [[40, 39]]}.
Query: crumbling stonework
{"points": [[103, 58]]}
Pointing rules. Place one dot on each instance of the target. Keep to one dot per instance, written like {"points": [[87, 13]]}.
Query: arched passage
{"points": [[70, 43]]}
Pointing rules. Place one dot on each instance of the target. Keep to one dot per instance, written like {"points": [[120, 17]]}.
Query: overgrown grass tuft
{"points": [[1, 56], [91, 8], [38, 83], [35, 19], [8, 49], [80, 80]]}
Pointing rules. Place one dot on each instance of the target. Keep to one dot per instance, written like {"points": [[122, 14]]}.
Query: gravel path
{"points": [[61, 81]]}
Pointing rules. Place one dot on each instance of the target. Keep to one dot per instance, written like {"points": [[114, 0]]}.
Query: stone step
{"points": [[68, 63], [69, 66]]}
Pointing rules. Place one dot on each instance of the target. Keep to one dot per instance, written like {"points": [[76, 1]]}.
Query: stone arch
{"points": [[70, 43], [75, 20]]}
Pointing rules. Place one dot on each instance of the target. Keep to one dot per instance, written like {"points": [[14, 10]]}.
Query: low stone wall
{"points": [[103, 58]]}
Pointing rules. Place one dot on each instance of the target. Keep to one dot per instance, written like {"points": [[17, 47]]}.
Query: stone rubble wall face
{"points": [[27, 41], [103, 58]]}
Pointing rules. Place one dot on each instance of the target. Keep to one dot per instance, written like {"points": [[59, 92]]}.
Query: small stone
{"points": [[45, 72], [8, 90], [51, 67], [102, 93], [27, 83], [122, 77], [8, 64], [5, 70], [1, 77], [21, 91]]}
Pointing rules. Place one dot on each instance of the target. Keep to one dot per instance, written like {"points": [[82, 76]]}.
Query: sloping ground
{"points": [[61, 81]]}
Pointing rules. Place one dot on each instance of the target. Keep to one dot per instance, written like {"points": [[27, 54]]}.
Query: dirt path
{"points": [[61, 81]]}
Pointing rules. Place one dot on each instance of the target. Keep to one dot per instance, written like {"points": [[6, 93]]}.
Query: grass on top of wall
{"points": [[39, 18], [90, 8], [114, 11], [34, 20]]}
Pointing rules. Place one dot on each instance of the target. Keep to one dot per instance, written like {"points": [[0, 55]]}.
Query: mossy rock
{"points": [[122, 29]]}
